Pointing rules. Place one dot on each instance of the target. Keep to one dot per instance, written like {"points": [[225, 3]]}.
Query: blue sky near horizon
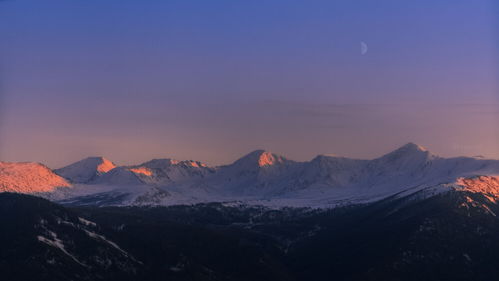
{"points": [[212, 80]]}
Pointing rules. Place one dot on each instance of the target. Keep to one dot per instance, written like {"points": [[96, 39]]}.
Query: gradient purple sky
{"points": [[213, 80]]}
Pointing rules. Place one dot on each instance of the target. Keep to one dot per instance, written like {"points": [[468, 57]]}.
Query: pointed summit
{"points": [[86, 170], [260, 158], [409, 156], [408, 150], [412, 147]]}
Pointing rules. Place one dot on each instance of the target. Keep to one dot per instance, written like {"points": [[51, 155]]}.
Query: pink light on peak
{"points": [[268, 159], [142, 170], [105, 166]]}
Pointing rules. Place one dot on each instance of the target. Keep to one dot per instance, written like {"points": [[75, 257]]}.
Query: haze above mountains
{"points": [[260, 177]]}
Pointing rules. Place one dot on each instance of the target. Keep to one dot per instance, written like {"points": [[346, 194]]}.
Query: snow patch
{"points": [[57, 243], [87, 222], [114, 245]]}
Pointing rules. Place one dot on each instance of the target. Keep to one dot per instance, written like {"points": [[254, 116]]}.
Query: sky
{"points": [[213, 80]]}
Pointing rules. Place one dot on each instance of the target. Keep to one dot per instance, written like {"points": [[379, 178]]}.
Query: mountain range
{"points": [[407, 215], [258, 178]]}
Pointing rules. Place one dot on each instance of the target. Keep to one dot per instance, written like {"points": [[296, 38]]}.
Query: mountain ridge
{"points": [[86, 170], [262, 177]]}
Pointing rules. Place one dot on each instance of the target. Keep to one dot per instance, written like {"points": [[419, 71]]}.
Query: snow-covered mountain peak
{"points": [[269, 159], [28, 177], [164, 172], [120, 176], [260, 158], [410, 152], [159, 163], [97, 160], [411, 148], [103, 164], [86, 170], [167, 162]]}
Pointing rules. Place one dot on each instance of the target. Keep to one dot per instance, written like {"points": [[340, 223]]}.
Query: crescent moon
{"points": [[363, 48]]}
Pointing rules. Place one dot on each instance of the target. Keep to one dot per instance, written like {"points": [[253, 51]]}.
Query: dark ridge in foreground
{"points": [[451, 236]]}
